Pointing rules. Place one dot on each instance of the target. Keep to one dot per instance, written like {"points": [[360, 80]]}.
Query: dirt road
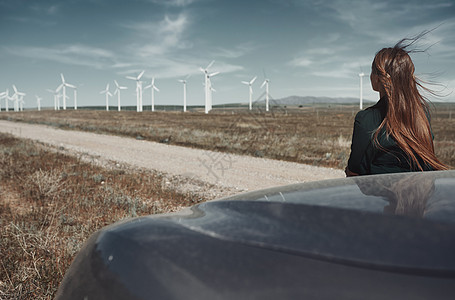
{"points": [[228, 172]]}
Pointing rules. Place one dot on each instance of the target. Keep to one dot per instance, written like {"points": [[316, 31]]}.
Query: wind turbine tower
{"points": [[16, 98], [250, 83], [5, 95], [138, 90], [361, 75], [75, 98], [108, 94], [184, 91], [63, 86], [208, 86], [117, 91], [266, 83], [211, 89], [38, 102], [55, 93], [153, 88]]}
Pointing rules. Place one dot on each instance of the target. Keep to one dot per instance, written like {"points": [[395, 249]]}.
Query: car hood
{"points": [[391, 224]]}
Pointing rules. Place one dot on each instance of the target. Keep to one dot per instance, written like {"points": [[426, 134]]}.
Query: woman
{"points": [[394, 135]]}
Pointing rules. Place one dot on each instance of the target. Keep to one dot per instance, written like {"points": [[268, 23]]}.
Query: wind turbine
{"points": [[184, 91], [108, 94], [38, 101], [138, 90], [5, 96], [16, 96], [208, 90], [63, 86], [250, 85], [75, 98], [21, 104], [361, 75], [211, 89], [56, 96], [153, 88], [12, 99], [266, 83], [117, 91]]}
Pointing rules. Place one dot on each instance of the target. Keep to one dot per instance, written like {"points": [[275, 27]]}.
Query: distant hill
{"points": [[299, 100]]}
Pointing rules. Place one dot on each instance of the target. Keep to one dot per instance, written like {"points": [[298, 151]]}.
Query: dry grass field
{"points": [[311, 135], [50, 203]]}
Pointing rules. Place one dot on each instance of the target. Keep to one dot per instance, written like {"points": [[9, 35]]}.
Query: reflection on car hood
{"points": [[425, 194], [241, 246]]}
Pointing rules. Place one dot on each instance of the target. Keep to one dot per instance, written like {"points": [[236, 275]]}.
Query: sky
{"points": [[304, 47]]}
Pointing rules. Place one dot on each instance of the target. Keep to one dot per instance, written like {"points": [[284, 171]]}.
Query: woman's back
{"points": [[386, 156]]}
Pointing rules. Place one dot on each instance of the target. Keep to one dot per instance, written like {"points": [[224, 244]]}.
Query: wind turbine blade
{"points": [[245, 82], [210, 64], [147, 87], [116, 83], [59, 88], [153, 80], [63, 78], [140, 75], [262, 85], [70, 85], [213, 74], [131, 77], [252, 80], [14, 88], [156, 89]]}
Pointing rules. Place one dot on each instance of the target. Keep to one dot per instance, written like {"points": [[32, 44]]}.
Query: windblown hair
{"points": [[407, 114]]}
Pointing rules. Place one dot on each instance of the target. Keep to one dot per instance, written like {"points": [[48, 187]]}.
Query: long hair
{"points": [[407, 113]]}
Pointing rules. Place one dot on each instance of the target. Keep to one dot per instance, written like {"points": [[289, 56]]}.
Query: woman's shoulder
{"points": [[368, 113], [370, 117]]}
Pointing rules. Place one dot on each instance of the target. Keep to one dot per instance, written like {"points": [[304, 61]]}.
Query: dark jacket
{"points": [[367, 158]]}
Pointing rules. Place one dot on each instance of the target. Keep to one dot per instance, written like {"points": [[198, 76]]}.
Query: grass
{"points": [[51, 203]]}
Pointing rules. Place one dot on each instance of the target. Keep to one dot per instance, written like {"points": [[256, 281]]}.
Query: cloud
{"points": [[162, 37], [390, 20], [77, 54], [301, 62], [235, 52], [177, 3], [45, 8]]}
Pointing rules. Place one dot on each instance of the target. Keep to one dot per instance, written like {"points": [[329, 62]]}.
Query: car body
{"points": [[368, 237]]}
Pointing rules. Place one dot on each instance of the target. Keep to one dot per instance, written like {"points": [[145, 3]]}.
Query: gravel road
{"points": [[213, 173]]}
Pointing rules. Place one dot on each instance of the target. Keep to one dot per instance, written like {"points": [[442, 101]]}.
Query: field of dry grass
{"points": [[311, 135], [51, 203]]}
